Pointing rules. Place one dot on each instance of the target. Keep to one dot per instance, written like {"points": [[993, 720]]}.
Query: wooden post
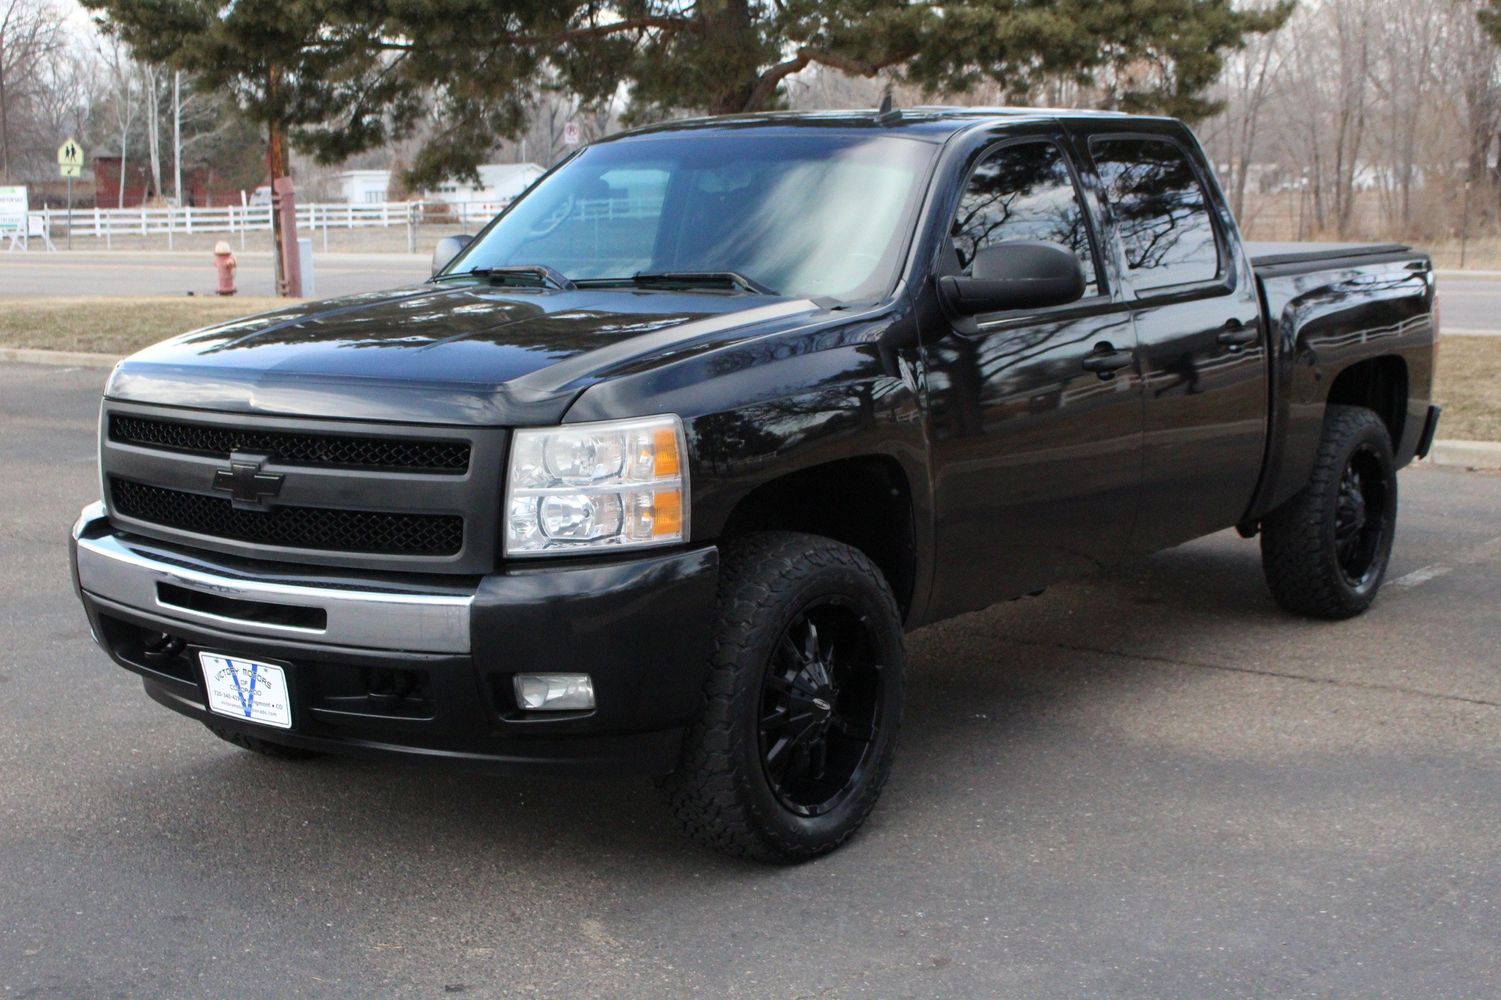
{"points": [[285, 199]]}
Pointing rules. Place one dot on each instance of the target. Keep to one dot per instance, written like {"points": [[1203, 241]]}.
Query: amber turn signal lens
{"points": [[665, 444], [668, 519]]}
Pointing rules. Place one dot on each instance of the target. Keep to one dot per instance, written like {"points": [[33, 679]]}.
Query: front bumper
{"points": [[418, 667]]}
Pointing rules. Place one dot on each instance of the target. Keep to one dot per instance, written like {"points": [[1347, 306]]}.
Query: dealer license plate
{"points": [[247, 689]]}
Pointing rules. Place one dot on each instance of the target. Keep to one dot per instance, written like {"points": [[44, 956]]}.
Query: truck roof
{"points": [[932, 122]]}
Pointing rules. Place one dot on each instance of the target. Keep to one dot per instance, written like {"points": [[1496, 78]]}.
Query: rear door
{"points": [[1198, 332], [1036, 458]]}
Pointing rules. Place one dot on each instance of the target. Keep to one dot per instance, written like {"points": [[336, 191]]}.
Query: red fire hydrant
{"points": [[224, 263]]}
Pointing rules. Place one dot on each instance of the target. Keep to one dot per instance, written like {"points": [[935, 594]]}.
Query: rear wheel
{"points": [[802, 704], [257, 745], [1325, 551]]}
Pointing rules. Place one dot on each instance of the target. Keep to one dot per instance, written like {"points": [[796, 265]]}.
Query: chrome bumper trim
{"points": [[370, 619]]}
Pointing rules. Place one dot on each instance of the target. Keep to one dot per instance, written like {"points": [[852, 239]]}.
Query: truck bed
{"points": [[1333, 308], [1317, 255]]}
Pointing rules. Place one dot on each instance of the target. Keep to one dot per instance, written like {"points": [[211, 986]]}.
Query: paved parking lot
{"points": [[1154, 785]]}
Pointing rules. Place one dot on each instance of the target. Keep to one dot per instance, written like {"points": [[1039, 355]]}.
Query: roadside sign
{"points": [[70, 165], [571, 134], [13, 213], [70, 154]]}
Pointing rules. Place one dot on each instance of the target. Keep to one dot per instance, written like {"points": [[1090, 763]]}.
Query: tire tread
{"points": [[709, 792], [1296, 538]]}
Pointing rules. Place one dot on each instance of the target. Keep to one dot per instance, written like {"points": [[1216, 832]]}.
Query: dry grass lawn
{"points": [[1469, 388], [116, 326], [1469, 367]]}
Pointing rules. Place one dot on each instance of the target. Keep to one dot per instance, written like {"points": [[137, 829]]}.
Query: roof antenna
{"points": [[885, 113]]}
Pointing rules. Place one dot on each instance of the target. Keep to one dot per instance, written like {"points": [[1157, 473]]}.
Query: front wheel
{"points": [[1326, 550], [802, 704]]}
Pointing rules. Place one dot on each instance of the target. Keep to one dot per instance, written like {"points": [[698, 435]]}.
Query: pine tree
{"points": [[346, 76]]}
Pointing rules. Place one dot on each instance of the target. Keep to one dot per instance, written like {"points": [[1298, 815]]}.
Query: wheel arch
{"points": [[864, 501], [1379, 384]]}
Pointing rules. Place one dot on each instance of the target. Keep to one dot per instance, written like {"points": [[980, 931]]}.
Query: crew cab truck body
{"points": [[654, 474]]}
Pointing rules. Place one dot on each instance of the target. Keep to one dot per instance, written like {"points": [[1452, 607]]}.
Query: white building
{"points": [[363, 187], [499, 183]]}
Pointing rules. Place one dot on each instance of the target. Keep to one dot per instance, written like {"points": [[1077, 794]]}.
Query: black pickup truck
{"points": [[656, 471]]}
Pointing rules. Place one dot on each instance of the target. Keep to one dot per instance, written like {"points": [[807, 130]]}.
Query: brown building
{"points": [[200, 188]]}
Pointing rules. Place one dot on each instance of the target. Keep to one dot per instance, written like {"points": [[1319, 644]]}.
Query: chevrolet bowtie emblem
{"points": [[248, 487]]}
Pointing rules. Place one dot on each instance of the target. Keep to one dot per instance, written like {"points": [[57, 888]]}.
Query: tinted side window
{"points": [[1160, 211], [1023, 192]]}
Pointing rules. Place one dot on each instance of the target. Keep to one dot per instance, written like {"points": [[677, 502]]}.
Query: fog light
{"points": [[554, 692]]}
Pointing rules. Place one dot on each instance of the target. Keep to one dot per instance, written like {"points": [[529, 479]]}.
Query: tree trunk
{"points": [[4, 117], [728, 23], [153, 132]]}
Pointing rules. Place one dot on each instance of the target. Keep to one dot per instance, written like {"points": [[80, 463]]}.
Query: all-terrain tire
{"points": [[723, 792], [1313, 563], [257, 745]]}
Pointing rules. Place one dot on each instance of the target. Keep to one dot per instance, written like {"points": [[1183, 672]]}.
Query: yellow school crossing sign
{"points": [[70, 159]]}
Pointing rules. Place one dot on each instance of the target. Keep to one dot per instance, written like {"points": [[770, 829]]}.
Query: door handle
{"points": [[1105, 360], [1236, 335]]}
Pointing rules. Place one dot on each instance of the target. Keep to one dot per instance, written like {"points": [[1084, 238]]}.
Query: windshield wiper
{"points": [[688, 279], [519, 276]]}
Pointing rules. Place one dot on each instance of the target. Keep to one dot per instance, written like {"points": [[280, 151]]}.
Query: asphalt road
{"points": [[1154, 785], [1471, 302], [127, 272]]}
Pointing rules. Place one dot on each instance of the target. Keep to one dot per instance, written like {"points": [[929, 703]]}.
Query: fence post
{"points": [[412, 226]]}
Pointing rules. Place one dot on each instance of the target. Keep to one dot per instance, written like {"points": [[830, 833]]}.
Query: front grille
{"points": [[293, 447], [294, 527]]}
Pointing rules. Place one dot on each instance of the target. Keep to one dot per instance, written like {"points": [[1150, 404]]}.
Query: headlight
{"points": [[608, 485]]}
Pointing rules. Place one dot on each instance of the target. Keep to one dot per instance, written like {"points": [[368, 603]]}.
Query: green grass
{"points": [[1469, 370]]}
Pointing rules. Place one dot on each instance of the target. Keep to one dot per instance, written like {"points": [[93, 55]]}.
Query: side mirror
{"points": [[447, 249], [1020, 274]]}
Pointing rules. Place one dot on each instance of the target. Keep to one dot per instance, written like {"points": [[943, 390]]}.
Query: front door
{"points": [[1036, 457]]}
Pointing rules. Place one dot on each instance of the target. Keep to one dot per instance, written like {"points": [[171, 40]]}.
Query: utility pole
{"points": [[177, 137]]}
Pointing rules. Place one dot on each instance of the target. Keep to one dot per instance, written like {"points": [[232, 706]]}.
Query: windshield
{"points": [[805, 216]]}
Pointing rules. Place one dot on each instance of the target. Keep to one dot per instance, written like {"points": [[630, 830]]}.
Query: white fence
{"points": [[312, 217]]}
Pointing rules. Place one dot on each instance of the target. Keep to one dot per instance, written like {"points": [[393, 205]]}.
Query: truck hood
{"points": [[470, 354]]}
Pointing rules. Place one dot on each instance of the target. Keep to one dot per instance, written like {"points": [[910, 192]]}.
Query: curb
{"points": [[1466, 454], [71, 359], [1454, 273]]}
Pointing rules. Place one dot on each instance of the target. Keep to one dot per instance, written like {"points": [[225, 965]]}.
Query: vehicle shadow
{"points": [[977, 686]]}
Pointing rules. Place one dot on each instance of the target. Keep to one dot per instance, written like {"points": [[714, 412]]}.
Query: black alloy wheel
{"points": [[820, 708], [1360, 522]]}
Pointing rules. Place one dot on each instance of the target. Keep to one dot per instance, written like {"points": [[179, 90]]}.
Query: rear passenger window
{"points": [[1023, 192], [1160, 211]]}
